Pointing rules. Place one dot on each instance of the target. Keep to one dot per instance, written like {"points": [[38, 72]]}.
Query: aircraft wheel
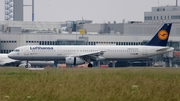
{"points": [[26, 66], [90, 65]]}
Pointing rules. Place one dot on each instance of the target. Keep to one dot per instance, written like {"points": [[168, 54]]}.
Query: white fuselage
{"points": [[51, 52]]}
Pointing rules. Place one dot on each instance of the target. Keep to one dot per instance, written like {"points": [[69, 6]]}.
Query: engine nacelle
{"points": [[74, 61]]}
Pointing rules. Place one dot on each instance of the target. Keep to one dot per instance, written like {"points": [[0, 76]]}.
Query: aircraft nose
{"points": [[10, 55]]}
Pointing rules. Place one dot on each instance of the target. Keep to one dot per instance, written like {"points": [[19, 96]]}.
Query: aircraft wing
{"points": [[8, 61], [5, 61], [97, 55]]}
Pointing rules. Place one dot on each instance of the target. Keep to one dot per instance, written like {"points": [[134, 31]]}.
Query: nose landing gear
{"points": [[26, 66]]}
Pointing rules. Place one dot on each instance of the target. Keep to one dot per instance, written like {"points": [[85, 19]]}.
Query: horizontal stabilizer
{"points": [[163, 49]]}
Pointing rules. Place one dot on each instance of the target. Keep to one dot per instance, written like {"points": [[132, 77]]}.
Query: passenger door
{"points": [[145, 51], [26, 51], [59, 51]]}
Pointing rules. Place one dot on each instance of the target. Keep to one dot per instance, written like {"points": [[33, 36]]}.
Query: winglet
{"points": [[162, 36]]}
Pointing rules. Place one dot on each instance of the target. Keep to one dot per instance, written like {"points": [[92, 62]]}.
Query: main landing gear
{"points": [[90, 65]]}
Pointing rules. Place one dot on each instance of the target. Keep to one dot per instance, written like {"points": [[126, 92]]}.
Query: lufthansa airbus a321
{"points": [[76, 55]]}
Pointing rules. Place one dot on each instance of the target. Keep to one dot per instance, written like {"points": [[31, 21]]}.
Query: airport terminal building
{"points": [[84, 32]]}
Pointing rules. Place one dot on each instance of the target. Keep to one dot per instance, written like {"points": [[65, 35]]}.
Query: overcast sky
{"points": [[97, 10]]}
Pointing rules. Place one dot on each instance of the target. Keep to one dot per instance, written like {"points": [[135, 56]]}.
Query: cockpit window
{"points": [[16, 50]]}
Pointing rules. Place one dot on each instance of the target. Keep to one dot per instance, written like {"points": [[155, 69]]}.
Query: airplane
{"points": [[6, 61], [79, 54]]}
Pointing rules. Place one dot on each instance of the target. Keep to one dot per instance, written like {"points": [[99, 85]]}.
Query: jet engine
{"points": [[74, 61]]}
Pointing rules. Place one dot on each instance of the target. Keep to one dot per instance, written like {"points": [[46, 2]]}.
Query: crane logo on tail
{"points": [[163, 35]]}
